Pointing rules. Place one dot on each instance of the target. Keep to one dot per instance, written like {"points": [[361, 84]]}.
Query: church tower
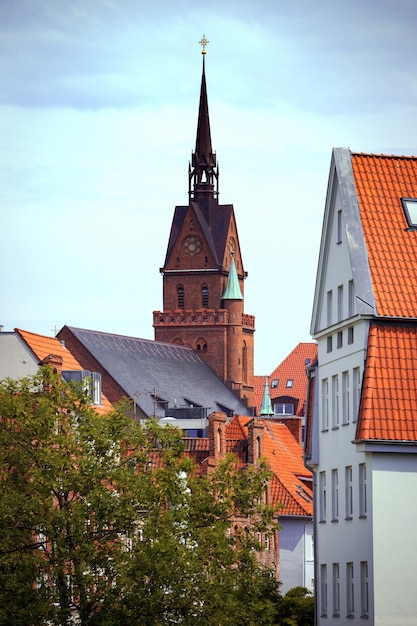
{"points": [[203, 274]]}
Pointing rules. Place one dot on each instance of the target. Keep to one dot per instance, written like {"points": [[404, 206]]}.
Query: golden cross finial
{"points": [[203, 42]]}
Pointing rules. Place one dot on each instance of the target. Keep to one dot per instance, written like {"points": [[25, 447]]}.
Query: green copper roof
{"points": [[266, 406], [232, 291]]}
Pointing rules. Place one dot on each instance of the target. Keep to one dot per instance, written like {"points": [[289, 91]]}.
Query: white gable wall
{"points": [[296, 559], [16, 361]]}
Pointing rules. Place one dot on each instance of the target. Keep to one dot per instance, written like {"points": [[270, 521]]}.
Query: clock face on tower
{"points": [[191, 245]]}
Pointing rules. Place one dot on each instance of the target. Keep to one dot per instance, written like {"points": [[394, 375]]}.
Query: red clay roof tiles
{"points": [[285, 457], [381, 182], [43, 346], [293, 367], [388, 410], [389, 398]]}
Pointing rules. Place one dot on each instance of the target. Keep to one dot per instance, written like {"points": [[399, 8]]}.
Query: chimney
{"points": [[255, 440], [217, 435], [54, 361]]}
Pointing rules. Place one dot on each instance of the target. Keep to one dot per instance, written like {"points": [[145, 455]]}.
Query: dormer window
{"points": [[410, 210], [89, 382]]}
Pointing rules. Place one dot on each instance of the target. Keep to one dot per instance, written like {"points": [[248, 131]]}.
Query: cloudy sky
{"points": [[98, 112]]}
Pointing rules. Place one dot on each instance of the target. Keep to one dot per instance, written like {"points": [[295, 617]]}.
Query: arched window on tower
{"points": [[219, 440], [245, 362], [201, 345], [204, 296], [180, 294]]}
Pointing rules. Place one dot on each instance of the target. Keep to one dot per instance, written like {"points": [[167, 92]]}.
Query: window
{"points": [[363, 505], [335, 495], [350, 334], [274, 383], [325, 404], [329, 308], [345, 398], [410, 210], [283, 409], [348, 492], [201, 345], [89, 382], [219, 440], [245, 362], [289, 383], [323, 590], [340, 339], [258, 447], [364, 589], [339, 227], [96, 388], [350, 590], [204, 296], [329, 343], [336, 590], [351, 299], [180, 296], [323, 496], [356, 392], [340, 303], [335, 401]]}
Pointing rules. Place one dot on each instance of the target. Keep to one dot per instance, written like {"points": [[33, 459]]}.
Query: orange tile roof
{"points": [[381, 181], [388, 410], [293, 367], [43, 346], [285, 456]]}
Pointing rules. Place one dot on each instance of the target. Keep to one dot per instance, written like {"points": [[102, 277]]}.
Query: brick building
{"points": [[203, 274], [288, 552]]}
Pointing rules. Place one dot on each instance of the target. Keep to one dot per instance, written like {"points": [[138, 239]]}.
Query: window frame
{"points": [[348, 492], [335, 495], [405, 201]]}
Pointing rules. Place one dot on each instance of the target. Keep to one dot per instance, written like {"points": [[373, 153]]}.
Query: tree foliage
{"points": [[296, 608], [105, 521]]}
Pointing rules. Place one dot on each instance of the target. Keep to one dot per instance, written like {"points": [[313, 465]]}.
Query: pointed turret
{"points": [[203, 172], [266, 406], [232, 290]]}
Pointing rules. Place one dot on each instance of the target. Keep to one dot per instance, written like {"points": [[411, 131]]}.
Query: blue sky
{"points": [[98, 112]]}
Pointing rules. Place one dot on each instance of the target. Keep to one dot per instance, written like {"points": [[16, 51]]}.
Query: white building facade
{"points": [[365, 545]]}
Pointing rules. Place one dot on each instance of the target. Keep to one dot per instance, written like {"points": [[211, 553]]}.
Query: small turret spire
{"points": [[266, 406]]}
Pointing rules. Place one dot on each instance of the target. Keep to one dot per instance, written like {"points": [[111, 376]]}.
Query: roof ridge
{"points": [[109, 334], [383, 155]]}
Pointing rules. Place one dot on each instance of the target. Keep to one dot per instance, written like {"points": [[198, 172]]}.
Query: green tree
{"points": [[296, 608], [105, 521]]}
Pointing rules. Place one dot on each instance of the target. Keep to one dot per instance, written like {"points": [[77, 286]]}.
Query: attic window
{"points": [[410, 210], [284, 408], [274, 383], [89, 382], [289, 382]]}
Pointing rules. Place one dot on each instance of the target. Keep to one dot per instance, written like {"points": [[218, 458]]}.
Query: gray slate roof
{"points": [[142, 366]]}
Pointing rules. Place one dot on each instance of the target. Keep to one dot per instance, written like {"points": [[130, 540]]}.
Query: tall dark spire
{"points": [[203, 172]]}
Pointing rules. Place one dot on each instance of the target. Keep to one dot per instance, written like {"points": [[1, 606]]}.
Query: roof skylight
{"points": [[410, 210]]}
